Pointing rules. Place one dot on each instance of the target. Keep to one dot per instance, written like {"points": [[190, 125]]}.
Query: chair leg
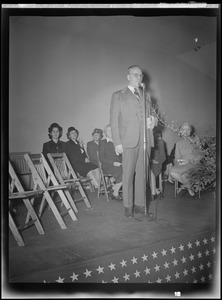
{"points": [[67, 205], [55, 210], [160, 183], [71, 201], [15, 232], [175, 188], [105, 188], [83, 194], [34, 216]]}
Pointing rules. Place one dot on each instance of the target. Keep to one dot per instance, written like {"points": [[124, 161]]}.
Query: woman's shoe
{"points": [[160, 196], [117, 198], [153, 197], [191, 192]]}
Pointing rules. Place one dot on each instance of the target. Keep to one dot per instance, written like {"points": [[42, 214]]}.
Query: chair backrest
{"points": [[21, 168], [62, 166], [14, 182], [59, 166], [18, 162], [42, 174]]}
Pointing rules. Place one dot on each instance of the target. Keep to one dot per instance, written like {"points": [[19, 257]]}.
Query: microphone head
{"points": [[142, 84]]}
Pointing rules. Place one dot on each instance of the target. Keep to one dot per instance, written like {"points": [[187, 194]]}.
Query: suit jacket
{"points": [[125, 119]]}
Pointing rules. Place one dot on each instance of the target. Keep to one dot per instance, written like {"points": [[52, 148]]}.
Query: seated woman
{"points": [[93, 146], [78, 158], [185, 158], [158, 156], [111, 162], [54, 145]]}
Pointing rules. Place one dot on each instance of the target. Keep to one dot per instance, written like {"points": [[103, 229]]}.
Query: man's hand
{"points": [[119, 149], [117, 164], [151, 122]]}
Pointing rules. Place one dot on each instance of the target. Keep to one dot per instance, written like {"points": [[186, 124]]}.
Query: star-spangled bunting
{"points": [[191, 261]]}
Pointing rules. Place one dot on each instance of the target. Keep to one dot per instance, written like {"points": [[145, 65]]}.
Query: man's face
{"points": [[135, 77]]}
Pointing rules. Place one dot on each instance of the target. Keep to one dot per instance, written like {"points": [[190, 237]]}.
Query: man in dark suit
{"points": [[127, 118]]}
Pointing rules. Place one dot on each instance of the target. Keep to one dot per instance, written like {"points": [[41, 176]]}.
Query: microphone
{"points": [[141, 84]]}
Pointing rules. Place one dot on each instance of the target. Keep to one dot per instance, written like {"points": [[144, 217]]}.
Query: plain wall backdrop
{"points": [[55, 77]]}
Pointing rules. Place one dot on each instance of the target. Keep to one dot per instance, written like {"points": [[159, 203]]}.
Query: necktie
{"points": [[136, 93]]}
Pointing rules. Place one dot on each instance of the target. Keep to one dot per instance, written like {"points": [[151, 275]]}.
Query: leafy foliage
{"points": [[203, 175]]}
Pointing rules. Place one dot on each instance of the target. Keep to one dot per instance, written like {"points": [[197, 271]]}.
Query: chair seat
{"points": [[24, 194]]}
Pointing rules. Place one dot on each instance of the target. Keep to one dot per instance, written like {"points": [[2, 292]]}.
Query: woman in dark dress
{"points": [[78, 158], [54, 145], [158, 156], [111, 162]]}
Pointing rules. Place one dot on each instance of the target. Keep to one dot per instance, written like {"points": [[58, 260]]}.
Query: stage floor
{"points": [[104, 230]]}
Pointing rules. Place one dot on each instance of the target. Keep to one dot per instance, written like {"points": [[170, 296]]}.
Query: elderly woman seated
{"points": [[186, 156], [93, 146], [111, 162], [78, 158]]}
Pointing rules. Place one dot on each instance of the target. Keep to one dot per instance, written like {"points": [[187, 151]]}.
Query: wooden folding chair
{"points": [[65, 173], [44, 179], [16, 191], [104, 181], [21, 168]]}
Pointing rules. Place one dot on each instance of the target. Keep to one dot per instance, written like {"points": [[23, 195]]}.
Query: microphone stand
{"points": [[144, 145], [145, 153]]}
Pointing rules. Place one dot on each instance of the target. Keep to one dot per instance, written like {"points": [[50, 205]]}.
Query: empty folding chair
{"points": [[65, 173], [16, 191], [104, 181], [21, 168], [44, 179]]}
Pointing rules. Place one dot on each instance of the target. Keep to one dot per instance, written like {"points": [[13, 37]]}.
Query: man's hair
{"points": [[131, 68]]}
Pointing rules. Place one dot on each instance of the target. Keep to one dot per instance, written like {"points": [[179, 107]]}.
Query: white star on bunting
{"points": [[87, 273], [181, 247], [134, 260], [74, 277], [123, 263], [100, 270], [154, 255], [164, 252], [112, 266], [172, 250], [60, 280], [126, 277], [147, 271], [137, 274], [144, 257], [197, 243]]}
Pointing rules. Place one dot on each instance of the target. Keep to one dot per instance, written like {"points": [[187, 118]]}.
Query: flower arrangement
{"points": [[203, 175]]}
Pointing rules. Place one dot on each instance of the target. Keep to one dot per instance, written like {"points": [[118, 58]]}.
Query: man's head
{"points": [[134, 76]]}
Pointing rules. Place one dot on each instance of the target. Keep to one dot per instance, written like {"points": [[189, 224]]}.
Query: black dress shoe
{"points": [[144, 218]]}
